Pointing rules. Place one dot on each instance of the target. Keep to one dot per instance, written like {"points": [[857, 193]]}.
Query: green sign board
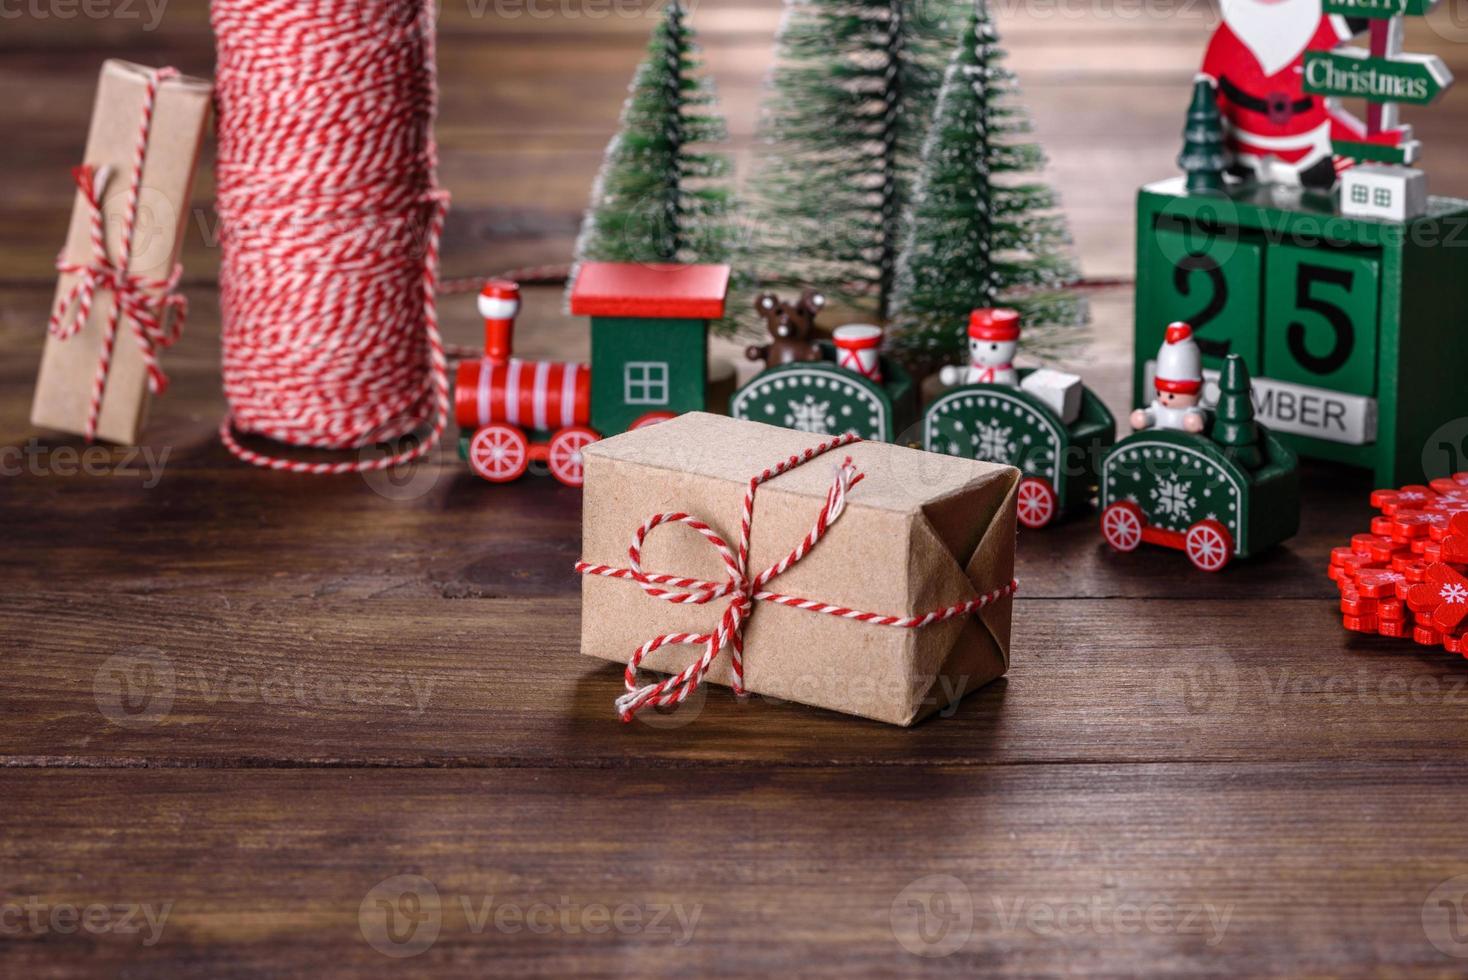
{"points": [[1379, 9], [1371, 152], [1412, 79]]}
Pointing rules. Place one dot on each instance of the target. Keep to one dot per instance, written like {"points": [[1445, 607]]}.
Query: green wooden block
{"points": [[1210, 281], [642, 365], [1379, 402], [1320, 318]]}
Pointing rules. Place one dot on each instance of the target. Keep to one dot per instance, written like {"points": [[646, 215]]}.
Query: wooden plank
{"points": [[1280, 870], [404, 661]]}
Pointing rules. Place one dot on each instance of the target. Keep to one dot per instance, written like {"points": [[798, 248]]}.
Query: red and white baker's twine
{"points": [[743, 591], [144, 303], [330, 218]]}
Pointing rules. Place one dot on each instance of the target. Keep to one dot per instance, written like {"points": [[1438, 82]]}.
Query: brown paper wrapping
{"points": [[920, 532], [64, 385]]}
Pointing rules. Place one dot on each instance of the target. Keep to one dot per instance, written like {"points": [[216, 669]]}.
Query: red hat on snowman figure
{"points": [[1256, 61], [993, 338], [1179, 384]]}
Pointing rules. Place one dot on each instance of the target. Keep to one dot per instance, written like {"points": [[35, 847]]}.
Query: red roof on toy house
{"points": [[665, 292]]}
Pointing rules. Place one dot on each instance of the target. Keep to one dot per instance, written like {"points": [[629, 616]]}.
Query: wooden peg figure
{"points": [[1179, 385], [993, 338]]}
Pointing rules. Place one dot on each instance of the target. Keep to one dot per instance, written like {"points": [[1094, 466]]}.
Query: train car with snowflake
{"points": [[1002, 423], [649, 362], [822, 397], [1046, 423], [1229, 490]]}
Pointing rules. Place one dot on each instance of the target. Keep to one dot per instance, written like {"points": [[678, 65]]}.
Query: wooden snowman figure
{"points": [[1179, 385], [993, 338]]}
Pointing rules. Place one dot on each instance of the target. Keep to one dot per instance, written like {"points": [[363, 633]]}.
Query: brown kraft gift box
{"points": [[920, 532], [68, 367]]}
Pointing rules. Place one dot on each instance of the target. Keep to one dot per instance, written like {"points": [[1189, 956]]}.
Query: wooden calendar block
{"points": [[1320, 318], [1211, 282], [1354, 346]]}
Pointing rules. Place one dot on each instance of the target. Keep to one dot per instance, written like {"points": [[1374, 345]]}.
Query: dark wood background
{"points": [[335, 682]]}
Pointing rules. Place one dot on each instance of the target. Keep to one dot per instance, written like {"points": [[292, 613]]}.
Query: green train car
{"points": [[825, 398], [1004, 424], [1229, 492]]}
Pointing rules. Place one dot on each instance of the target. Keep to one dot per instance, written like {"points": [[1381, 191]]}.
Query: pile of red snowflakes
{"points": [[1406, 577]]}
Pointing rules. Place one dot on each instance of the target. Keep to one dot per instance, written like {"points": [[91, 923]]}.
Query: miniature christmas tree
{"points": [[982, 232], [1234, 428], [842, 129], [661, 195], [1203, 157]]}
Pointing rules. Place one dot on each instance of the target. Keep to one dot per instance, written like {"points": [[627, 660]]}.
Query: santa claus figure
{"points": [[1179, 385], [1257, 62], [993, 337]]}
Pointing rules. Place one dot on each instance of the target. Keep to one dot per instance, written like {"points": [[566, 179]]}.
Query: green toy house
{"points": [[649, 338]]}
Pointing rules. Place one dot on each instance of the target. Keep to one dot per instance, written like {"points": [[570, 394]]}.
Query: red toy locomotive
{"points": [[499, 397], [649, 341]]}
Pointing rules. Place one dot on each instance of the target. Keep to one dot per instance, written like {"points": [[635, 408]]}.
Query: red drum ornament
{"points": [[857, 346]]}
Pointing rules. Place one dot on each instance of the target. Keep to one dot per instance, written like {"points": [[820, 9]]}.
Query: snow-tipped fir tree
{"points": [[841, 131], [983, 230], [662, 194]]}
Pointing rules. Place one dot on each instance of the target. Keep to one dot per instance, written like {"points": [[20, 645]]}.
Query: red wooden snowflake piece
{"points": [[1375, 583], [1407, 498], [1441, 599], [1408, 524], [1448, 484], [1455, 542]]}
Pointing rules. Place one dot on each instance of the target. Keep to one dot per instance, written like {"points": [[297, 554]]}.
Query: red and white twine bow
{"points": [[144, 303], [743, 590]]}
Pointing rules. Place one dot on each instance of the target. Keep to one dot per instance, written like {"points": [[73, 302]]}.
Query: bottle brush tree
{"points": [[841, 131], [983, 230], [662, 194]]}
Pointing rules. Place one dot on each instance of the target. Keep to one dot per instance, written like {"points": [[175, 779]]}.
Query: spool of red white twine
{"points": [[330, 215]]}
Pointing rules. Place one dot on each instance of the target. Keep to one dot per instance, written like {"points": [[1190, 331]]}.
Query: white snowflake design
{"points": [[1173, 497], [993, 442], [1454, 593], [809, 416]]}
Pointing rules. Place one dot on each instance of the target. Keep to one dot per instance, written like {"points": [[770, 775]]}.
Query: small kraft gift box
{"points": [[863, 577], [117, 303]]}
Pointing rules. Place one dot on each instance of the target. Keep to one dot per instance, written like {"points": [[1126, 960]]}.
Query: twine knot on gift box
{"points": [[144, 303], [743, 590]]}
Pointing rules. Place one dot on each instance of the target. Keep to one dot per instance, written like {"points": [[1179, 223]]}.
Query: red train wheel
{"points": [[499, 453], [1035, 502], [650, 418], [1209, 545], [1121, 526], [565, 453]]}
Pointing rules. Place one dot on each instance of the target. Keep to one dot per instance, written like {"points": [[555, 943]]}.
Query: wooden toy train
{"points": [[1212, 483], [649, 353]]}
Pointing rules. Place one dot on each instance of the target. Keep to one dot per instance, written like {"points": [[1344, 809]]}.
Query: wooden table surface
{"points": [[256, 723]]}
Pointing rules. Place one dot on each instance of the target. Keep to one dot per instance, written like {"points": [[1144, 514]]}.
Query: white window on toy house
{"points": [[1383, 197], [645, 383], [1358, 194]]}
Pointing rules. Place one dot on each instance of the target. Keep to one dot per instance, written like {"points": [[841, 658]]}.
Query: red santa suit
{"points": [[1256, 58]]}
